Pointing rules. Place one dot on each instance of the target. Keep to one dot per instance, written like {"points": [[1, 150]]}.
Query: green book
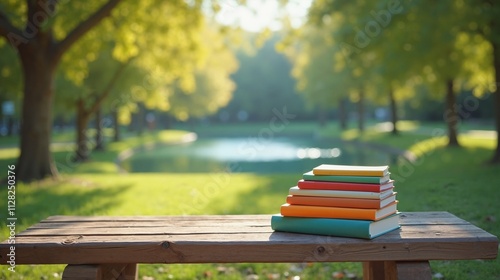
{"points": [[309, 176], [335, 227]]}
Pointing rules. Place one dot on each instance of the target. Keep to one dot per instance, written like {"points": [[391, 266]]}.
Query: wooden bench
{"points": [[111, 247]]}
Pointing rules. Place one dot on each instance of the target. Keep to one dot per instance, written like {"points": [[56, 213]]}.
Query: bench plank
{"points": [[440, 231], [406, 217]]}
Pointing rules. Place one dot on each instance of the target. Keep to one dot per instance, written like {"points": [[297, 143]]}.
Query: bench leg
{"points": [[392, 270], [100, 272]]}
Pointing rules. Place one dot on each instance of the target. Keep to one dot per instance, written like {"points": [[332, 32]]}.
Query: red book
{"points": [[344, 186]]}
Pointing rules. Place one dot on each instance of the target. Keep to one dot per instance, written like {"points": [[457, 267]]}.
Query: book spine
{"points": [[335, 193], [348, 173], [350, 179], [327, 212], [333, 201], [341, 186], [334, 227]]}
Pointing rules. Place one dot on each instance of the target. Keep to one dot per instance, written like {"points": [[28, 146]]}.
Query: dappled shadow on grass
{"points": [[456, 162], [6, 162], [266, 198], [37, 202], [98, 162], [87, 201], [453, 179]]}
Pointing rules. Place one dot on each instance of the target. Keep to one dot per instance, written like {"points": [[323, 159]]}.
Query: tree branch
{"points": [[84, 27], [39, 13], [6, 27], [32, 8], [109, 87]]}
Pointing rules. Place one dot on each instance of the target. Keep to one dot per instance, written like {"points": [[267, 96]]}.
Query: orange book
{"points": [[340, 201], [290, 210], [351, 170]]}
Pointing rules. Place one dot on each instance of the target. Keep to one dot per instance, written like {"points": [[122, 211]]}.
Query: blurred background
{"points": [[218, 107], [110, 68]]}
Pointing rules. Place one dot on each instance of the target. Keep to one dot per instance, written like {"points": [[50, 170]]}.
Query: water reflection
{"points": [[252, 155], [315, 153]]}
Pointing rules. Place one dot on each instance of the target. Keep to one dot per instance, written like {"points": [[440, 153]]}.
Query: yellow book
{"points": [[351, 170]]}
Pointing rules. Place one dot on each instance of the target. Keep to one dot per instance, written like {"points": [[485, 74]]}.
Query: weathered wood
{"points": [[240, 238], [405, 218], [97, 229], [75, 229], [202, 218], [373, 270]]}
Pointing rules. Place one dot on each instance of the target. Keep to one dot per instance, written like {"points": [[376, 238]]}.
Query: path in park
{"points": [[425, 130]]}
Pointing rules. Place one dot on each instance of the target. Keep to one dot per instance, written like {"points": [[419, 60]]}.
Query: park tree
{"points": [[102, 80], [326, 73], [365, 49], [46, 34], [442, 52], [169, 51], [432, 50], [423, 41], [481, 23], [312, 58], [41, 32], [264, 82], [10, 88], [213, 87]]}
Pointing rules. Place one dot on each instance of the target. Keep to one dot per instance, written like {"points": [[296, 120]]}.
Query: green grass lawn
{"points": [[443, 179]]}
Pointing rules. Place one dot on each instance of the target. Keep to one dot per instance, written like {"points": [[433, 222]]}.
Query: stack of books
{"points": [[341, 200]]}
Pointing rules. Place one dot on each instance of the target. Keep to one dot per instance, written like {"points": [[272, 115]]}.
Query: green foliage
{"points": [[314, 69], [160, 40], [264, 84], [213, 87], [393, 44], [10, 78], [155, 48]]}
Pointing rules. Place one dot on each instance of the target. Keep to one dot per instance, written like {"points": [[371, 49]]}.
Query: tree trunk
{"points": [[140, 118], [10, 125], [361, 111], [451, 114], [40, 54], [343, 113], [168, 120], [137, 120], [496, 99], [394, 112], [84, 114], [322, 116], [35, 160], [116, 125], [99, 137], [82, 120]]}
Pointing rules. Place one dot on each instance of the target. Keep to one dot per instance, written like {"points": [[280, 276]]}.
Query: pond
{"points": [[247, 154]]}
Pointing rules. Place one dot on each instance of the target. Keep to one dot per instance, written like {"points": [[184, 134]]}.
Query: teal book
{"points": [[335, 227], [309, 176]]}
